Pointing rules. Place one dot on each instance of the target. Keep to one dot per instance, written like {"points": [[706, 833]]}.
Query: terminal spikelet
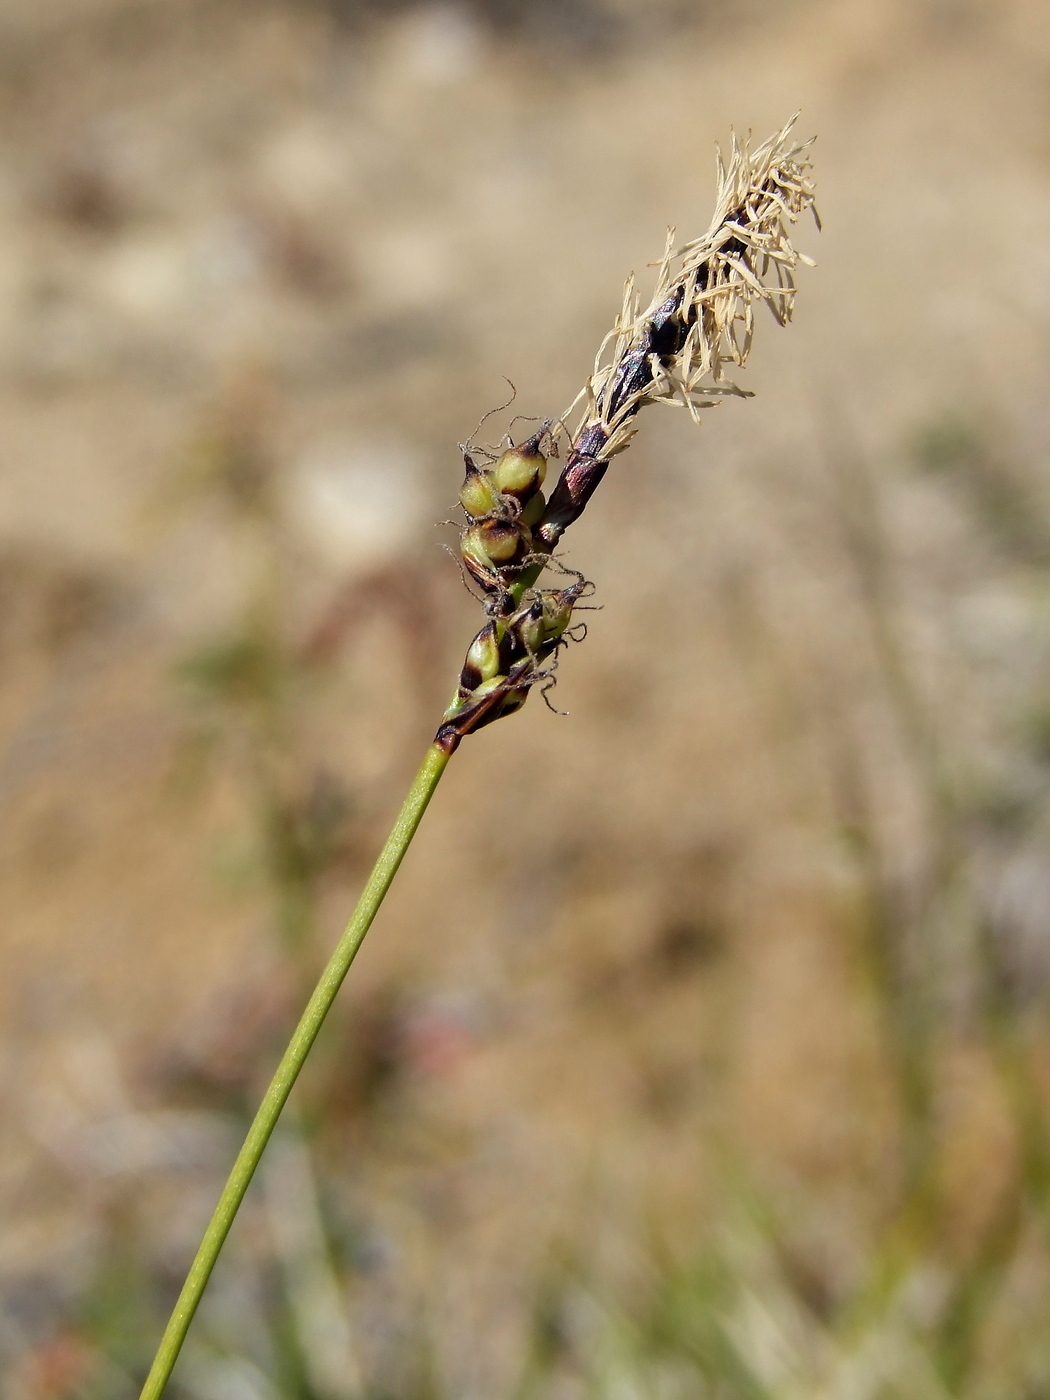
{"points": [[701, 317]]}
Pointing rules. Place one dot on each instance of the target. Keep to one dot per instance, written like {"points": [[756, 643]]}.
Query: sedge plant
{"points": [[675, 350]]}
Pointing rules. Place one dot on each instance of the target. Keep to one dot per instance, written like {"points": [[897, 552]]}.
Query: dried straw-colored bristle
{"points": [[701, 318]]}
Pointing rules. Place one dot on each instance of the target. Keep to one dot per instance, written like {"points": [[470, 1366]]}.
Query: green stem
{"points": [[526, 579], [379, 882]]}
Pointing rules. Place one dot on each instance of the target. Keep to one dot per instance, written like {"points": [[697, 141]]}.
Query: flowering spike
{"points": [[701, 319]]}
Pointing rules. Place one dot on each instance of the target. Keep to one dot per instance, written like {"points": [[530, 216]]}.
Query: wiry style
{"points": [[701, 319]]}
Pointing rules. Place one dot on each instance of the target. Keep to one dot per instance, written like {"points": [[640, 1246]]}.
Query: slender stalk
{"points": [[265, 1120]]}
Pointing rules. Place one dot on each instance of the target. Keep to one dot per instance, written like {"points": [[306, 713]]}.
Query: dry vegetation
{"points": [[702, 1049]]}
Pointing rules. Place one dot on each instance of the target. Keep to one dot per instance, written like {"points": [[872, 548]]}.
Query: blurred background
{"points": [[703, 1046]]}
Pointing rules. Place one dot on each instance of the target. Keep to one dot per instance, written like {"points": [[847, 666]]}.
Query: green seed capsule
{"points": [[557, 614], [493, 546], [520, 471], [532, 512], [477, 495], [483, 658], [472, 547], [504, 541]]}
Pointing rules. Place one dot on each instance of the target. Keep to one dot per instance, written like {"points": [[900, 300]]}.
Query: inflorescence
{"points": [[701, 318]]}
